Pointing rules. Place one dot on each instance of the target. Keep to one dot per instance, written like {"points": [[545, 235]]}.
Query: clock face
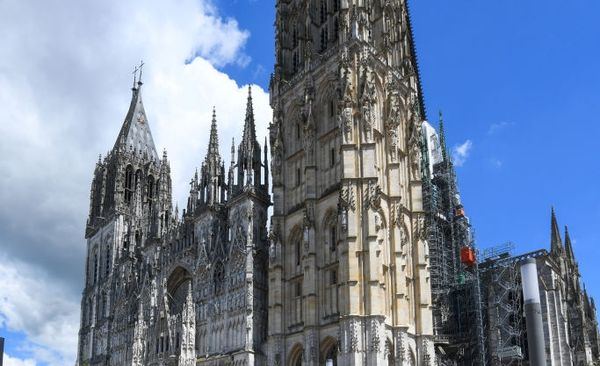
{"points": [[141, 119]]}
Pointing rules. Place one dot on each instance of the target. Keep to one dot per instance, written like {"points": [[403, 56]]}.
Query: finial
{"points": [[141, 68], [232, 149], [249, 91]]}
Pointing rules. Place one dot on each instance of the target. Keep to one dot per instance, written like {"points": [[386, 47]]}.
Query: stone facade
{"points": [[168, 290], [348, 270], [568, 313]]}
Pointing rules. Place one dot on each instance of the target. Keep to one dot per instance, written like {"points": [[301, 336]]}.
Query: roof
{"points": [[135, 133]]}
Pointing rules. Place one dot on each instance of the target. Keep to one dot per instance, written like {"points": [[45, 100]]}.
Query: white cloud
{"points": [[64, 90], [12, 361], [495, 127], [461, 152], [40, 307]]}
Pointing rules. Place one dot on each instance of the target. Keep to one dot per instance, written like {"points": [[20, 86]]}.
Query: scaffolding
{"points": [[499, 271], [456, 292]]}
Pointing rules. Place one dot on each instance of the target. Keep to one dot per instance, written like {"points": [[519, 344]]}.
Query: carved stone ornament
{"points": [[274, 243], [396, 213], [415, 158], [311, 349], [276, 140], [367, 102], [426, 355], [400, 346], [375, 337], [307, 225], [347, 196], [373, 195], [419, 227], [345, 123]]}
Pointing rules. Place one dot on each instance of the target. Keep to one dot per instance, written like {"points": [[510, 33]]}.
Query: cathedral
{"points": [[168, 290], [366, 258]]}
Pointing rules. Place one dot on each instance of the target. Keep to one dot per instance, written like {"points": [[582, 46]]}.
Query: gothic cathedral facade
{"points": [[342, 275], [348, 270], [168, 290]]}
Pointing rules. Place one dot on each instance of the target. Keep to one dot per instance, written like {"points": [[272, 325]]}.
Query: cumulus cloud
{"points": [[65, 74], [13, 361], [461, 152]]}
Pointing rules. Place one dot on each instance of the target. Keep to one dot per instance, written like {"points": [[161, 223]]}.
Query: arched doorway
{"points": [[329, 352], [177, 289], [295, 358]]}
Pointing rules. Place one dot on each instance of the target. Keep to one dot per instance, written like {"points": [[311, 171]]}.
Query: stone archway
{"points": [[329, 352], [177, 289], [295, 358]]}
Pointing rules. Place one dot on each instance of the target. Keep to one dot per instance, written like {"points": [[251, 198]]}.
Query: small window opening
{"points": [[332, 238], [298, 252], [331, 157]]}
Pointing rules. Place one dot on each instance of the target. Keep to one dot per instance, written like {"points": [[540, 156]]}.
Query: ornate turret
{"points": [[127, 180], [212, 181], [249, 163]]}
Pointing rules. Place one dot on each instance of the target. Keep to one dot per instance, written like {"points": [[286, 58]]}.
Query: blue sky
{"points": [[521, 81], [517, 81]]}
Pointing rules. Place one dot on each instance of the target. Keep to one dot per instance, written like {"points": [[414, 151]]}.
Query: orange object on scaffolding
{"points": [[459, 211], [467, 256]]}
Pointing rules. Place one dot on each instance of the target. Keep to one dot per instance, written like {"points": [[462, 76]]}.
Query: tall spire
{"points": [[135, 135], [213, 141], [555, 240], [443, 138], [569, 246], [249, 136], [212, 179]]}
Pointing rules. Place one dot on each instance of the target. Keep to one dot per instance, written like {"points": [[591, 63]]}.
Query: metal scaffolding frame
{"points": [[456, 294]]}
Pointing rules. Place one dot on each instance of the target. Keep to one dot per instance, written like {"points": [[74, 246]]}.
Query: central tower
{"points": [[348, 261]]}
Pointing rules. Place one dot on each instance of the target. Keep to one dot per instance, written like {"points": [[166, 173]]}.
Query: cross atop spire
{"points": [[135, 135], [137, 74], [555, 240]]}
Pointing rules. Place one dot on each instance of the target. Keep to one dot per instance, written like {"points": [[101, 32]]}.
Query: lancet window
{"points": [[129, 187]]}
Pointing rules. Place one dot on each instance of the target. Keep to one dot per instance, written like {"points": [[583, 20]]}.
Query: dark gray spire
{"points": [[569, 246], [249, 136], [135, 133], [555, 239], [212, 175], [213, 141]]}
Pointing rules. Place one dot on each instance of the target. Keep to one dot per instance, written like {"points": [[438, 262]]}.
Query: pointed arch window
{"points": [[129, 187], [150, 187], [323, 11], [107, 269], [324, 37], [218, 278], [95, 267], [298, 251]]}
